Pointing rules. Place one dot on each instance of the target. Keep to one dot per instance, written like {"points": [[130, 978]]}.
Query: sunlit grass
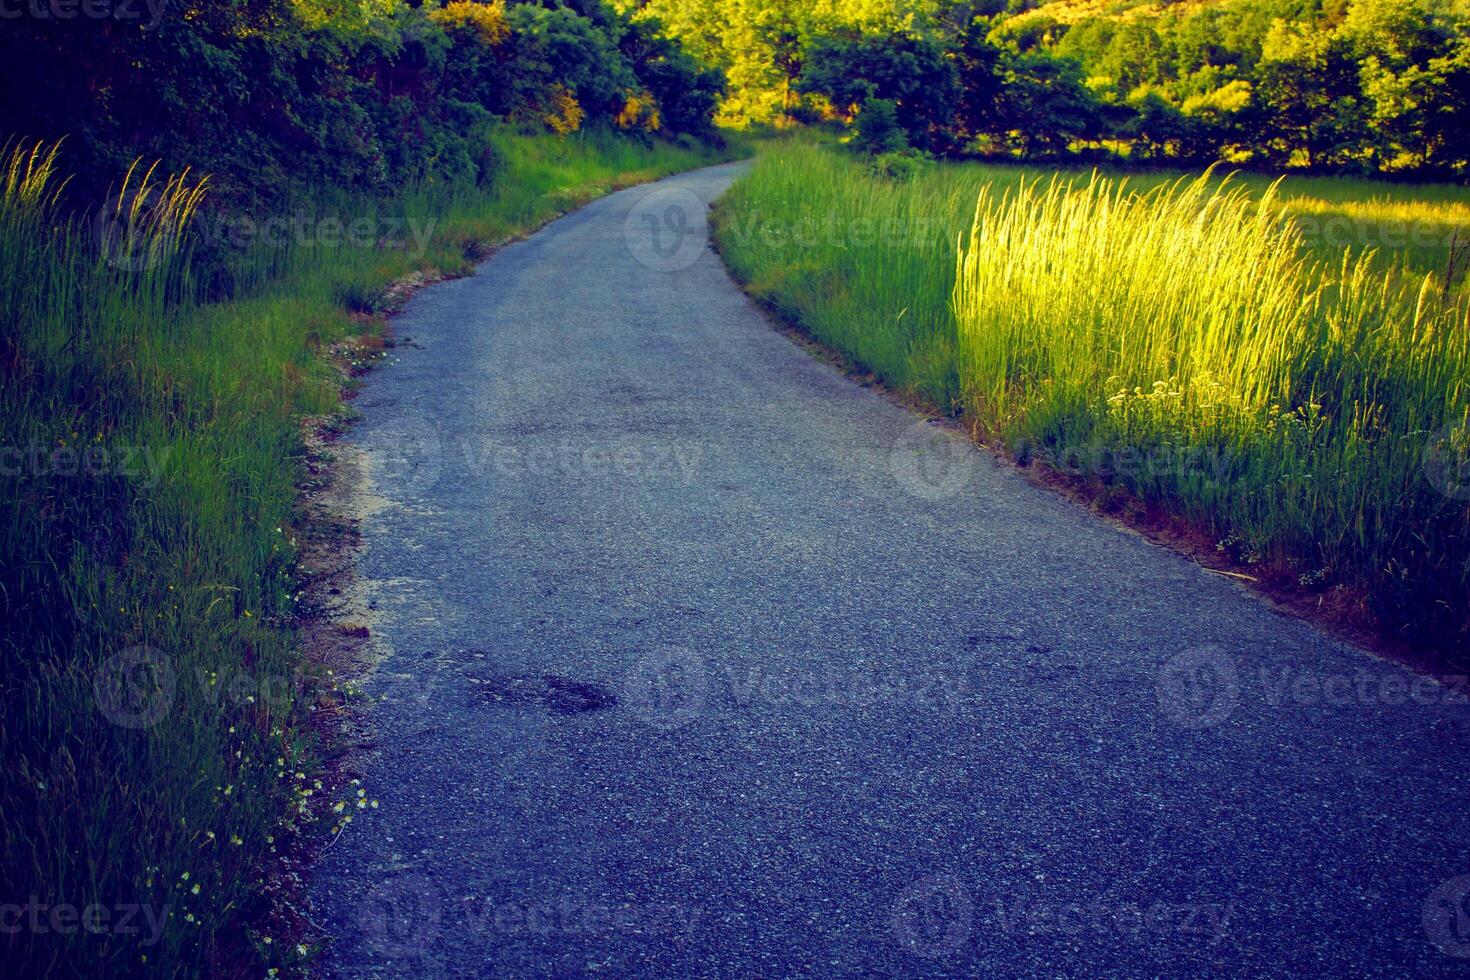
{"points": [[1173, 336]]}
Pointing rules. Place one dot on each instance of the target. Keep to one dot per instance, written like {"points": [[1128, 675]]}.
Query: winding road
{"points": [[707, 661]]}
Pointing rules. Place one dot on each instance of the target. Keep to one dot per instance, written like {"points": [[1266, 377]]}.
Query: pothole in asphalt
{"points": [[557, 694]]}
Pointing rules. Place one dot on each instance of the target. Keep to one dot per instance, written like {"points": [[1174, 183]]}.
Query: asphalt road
{"points": [[707, 661]]}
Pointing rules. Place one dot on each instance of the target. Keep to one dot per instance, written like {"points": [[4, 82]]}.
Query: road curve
{"points": [[707, 661]]}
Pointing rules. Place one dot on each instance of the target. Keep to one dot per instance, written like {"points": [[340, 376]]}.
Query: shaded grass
{"points": [[1306, 402], [157, 756]]}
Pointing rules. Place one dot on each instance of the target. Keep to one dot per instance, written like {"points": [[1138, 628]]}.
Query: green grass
{"points": [[176, 532], [1176, 339], [1404, 229]]}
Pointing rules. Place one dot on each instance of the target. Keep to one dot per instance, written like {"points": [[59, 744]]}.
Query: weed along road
{"points": [[705, 660]]}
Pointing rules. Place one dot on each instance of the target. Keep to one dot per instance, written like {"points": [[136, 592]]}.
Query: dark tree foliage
{"points": [[270, 96], [1044, 105], [878, 129], [687, 92], [911, 72], [980, 107]]}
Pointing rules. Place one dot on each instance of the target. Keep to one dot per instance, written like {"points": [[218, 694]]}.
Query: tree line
{"points": [[1336, 85], [271, 96]]}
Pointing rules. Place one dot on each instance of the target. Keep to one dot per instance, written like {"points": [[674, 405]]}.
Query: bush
{"points": [[898, 165], [877, 129]]}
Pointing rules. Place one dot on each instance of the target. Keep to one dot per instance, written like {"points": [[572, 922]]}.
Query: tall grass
{"points": [[154, 723], [1190, 284], [1178, 339]]}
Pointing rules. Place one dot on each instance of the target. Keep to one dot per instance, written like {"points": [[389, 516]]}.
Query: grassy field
{"points": [[1287, 367], [156, 756]]}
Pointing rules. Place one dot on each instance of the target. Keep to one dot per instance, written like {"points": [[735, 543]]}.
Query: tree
{"points": [[981, 77], [1413, 60], [912, 72], [687, 93], [761, 42], [1134, 57], [1212, 121], [1158, 128], [1044, 106], [568, 49], [877, 128], [275, 96], [1423, 109], [1308, 97]]}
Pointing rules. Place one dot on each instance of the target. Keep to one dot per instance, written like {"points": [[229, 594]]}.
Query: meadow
{"points": [[157, 364], [1285, 366]]}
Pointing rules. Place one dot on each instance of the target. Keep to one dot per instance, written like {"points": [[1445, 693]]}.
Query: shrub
{"points": [[898, 165], [877, 130]]}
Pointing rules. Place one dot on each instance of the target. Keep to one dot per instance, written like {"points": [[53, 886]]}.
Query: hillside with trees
{"points": [[1360, 86]]}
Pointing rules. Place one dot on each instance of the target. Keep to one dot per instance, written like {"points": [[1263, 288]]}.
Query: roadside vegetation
{"points": [[155, 706], [169, 329], [1195, 343], [155, 720]]}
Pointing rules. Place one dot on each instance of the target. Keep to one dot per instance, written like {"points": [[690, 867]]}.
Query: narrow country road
{"points": [[707, 661]]}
